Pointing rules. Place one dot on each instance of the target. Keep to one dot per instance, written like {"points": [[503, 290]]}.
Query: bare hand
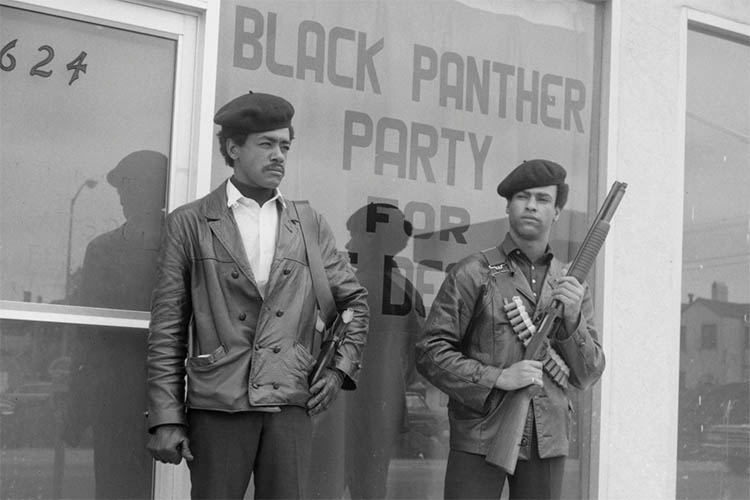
{"points": [[324, 391], [169, 444], [570, 294], [521, 374]]}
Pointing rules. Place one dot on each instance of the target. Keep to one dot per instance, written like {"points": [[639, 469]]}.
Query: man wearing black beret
{"points": [[234, 312], [472, 346]]}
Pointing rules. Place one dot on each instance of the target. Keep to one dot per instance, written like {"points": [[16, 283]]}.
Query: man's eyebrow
{"points": [[273, 138]]}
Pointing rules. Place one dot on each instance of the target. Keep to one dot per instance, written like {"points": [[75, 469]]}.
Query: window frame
{"points": [[709, 337]]}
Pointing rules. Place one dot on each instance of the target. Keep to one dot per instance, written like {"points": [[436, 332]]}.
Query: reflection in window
{"points": [[708, 337], [683, 339], [98, 165], [71, 427], [714, 418], [83, 187]]}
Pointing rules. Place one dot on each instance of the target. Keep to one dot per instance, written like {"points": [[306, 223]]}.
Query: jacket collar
{"points": [[221, 220], [518, 280], [234, 195], [215, 207]]}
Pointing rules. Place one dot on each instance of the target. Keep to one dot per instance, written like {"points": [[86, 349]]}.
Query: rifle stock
{"points": [[513, 408]]}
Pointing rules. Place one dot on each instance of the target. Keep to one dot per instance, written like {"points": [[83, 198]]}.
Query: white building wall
{"points": [[643, 262]]}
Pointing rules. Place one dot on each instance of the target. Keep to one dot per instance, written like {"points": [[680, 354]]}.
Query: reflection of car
{"points": [[731, 443], [7, 406], [715, 424], [31, 393], [32, 419], [425, 433], [422, 418], [729, 439]]}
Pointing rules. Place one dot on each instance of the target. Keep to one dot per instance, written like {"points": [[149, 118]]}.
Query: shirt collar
{"points": [[234, 195], [511, 249]]}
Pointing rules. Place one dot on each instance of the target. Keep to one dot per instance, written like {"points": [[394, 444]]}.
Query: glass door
{"points": [[86, 112]]}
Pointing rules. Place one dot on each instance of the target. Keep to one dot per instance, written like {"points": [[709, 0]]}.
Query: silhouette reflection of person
{"points": [[108, 376], [353, 447]]}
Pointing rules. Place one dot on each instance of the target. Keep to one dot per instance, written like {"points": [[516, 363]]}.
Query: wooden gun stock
{"points": [[514, 407]]}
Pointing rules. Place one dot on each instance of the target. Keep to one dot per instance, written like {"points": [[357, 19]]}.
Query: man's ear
{"points": [[232, 149], [557, 213]]}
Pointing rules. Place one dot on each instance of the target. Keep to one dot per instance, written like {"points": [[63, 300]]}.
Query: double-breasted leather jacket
{"points": [[468, 340], [240, 350]]}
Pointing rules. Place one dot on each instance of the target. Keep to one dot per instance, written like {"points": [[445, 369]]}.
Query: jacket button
{"points": [[277, 349], [255, 386], [242, 316], [287, 271], [257, 347], [235, 274], [524, 442], [279, 313], [275, 385]]}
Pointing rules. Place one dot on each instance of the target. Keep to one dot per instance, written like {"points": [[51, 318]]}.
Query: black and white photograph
{"points": [[375, 249]]}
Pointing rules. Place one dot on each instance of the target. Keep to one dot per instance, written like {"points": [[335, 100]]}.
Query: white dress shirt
{"points": [[258, 227]]}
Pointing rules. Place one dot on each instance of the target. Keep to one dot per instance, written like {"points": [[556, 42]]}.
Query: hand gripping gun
{"points": [[514, 407]]}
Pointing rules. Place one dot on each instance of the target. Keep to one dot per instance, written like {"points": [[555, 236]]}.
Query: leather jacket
{"points": [[468, 340], [240, 351]]}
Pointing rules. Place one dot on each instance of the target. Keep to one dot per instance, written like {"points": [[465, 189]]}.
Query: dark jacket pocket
{"points": [[206, 360]]}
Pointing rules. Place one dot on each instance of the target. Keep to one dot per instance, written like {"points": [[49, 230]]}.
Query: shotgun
{"points": [[514, 407]]}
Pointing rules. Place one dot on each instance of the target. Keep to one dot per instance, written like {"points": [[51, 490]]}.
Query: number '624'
{"points": [[8, 62]]}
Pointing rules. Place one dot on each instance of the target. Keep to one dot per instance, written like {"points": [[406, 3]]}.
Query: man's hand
{"points": [[520, 374], [169, 444], [570, 294], [325, 391]]}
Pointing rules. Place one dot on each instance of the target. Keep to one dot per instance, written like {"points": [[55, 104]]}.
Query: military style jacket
{"points": [[468, 340], [239, 350]]}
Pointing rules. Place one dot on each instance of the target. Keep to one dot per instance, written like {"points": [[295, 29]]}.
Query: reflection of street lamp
{"points": [[89, 183]]}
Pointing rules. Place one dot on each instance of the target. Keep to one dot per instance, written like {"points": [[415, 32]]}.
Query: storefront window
{"points": [[408, 114], [714, 417], [85, 129]]}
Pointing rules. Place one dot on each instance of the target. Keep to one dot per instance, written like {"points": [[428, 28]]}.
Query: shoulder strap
{"points": [[309, 227], [494, 256], [496, 261]]}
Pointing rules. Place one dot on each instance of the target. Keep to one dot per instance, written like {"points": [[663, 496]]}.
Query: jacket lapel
{"points": [[518, 280], [224, 227], [523, 287], [555, 271], [288, 231]]}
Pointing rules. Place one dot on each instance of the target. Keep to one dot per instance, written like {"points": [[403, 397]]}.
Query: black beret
{"points": [[255, 112], [535, 173]]}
